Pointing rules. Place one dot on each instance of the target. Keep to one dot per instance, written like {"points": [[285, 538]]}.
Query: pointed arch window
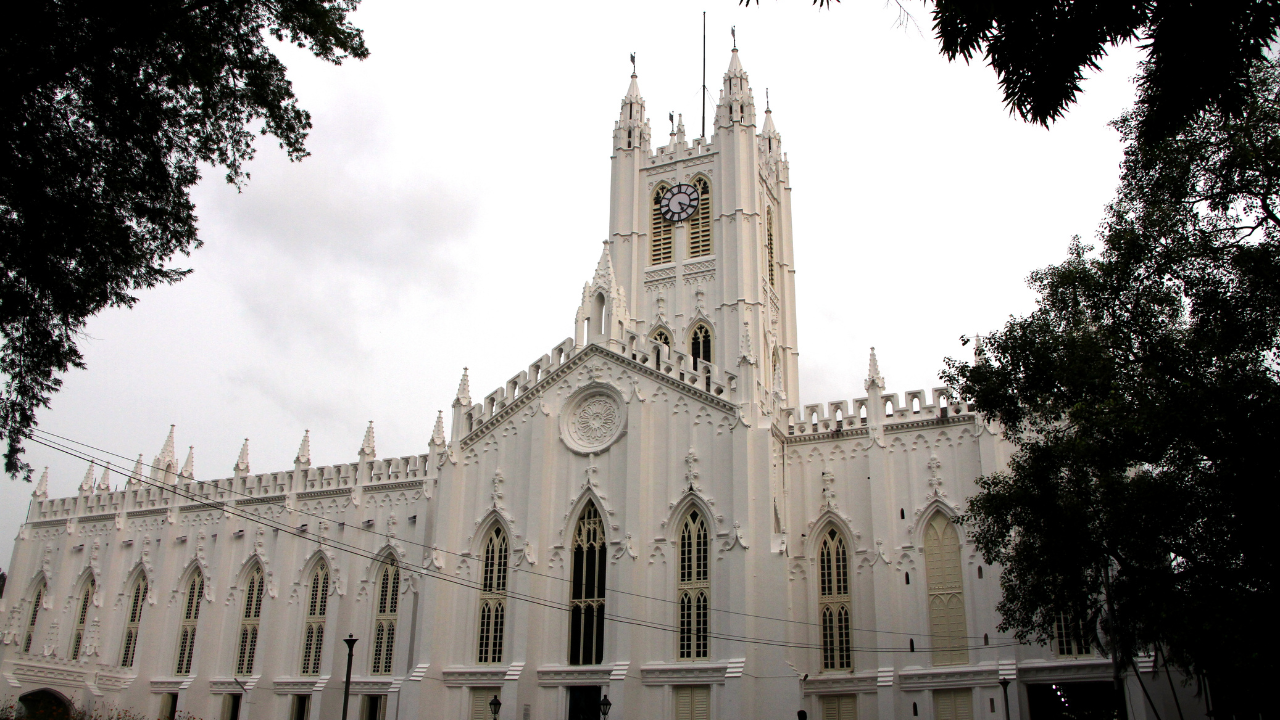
{"points": [[384, 623], [661, 336], [660, 230], [249, 619], [493, 598], [77, 635], [694, 587], [946, 591], [586, 616], [700, 345], [313, 628], [768, 230], [834, 602], [138, 599], [190, 618], [700, 223], [35, 614]]}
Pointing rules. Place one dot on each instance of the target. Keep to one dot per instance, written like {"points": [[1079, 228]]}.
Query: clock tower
{"points": [[700, 242]]}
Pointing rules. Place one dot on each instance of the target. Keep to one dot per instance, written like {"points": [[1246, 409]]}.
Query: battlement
{"points": [[678, 149], [367, 475], [836, 415]]}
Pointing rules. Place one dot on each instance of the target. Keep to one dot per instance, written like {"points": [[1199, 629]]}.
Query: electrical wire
{"points": [[425, 572]]}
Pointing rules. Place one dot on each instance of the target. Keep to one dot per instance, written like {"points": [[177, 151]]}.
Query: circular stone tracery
{"points": [[592, 420]]}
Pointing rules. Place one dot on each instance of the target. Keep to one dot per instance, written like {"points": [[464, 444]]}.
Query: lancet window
{"points": [[249, 623], [493, 597], [586, 617], [946, 591], [77, 635], [700, 223], [313, 628], [35, 614], [700, 345], [190, 617], [768, 230], [384, 622], [138, 599], [694, 587], [660, 231], [833, 600]]}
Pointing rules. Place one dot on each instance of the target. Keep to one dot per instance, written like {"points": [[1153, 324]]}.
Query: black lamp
{"points": [[350, 640], [605, 706], [494, 706], [1004, 685]]}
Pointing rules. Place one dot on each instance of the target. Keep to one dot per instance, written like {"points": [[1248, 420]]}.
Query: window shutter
{"points": [[701, 696], [684, 703]]}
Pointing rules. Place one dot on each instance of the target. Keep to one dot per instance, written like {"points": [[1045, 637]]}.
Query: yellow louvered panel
{"points": [[840, 707], [700, 223], [660, 250], [947, 625]]}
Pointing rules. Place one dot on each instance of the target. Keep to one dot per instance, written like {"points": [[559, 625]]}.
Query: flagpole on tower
{"points": [[704, 74]]}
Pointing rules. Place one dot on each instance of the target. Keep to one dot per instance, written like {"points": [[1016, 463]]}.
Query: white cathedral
{"points": [[644, 519]]}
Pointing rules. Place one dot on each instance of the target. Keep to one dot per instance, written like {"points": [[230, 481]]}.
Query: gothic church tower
{"points": [[716, 282]]}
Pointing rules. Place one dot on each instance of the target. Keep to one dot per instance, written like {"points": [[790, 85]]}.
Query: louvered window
{"points": [[137, 602], [187, 632], [768, 229], [313, 629], [693, 702], [946, 592], [384, 624], [77, 635], [839, 707], [694, 588], [833, 599], [249, 623], [35, 614], [586, 616], [660, 230], [700, 223], [493, 598], [953, 704]]}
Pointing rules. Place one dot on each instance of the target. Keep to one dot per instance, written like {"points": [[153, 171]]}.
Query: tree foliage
{"points": [[1141, 395], [108, 110]]}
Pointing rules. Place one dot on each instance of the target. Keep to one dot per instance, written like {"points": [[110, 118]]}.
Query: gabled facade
{"points": [[646, 513]]}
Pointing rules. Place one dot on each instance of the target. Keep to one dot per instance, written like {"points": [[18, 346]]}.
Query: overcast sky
{"points": [[428, 230]]}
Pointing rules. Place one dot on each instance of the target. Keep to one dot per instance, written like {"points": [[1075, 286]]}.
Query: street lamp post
{"points": [[346, 689], [494, 706], [1004, 685], [605, 706]]}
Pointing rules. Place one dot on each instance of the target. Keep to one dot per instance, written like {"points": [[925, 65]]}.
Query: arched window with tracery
{"points": [[493, 597], [946, 592], [133, 625], [82, 614], [833, 601], [768, 230], [660, 231], [384, 621], [700, 345], [586, 615], [190, 618], [694, 587], [700, 223], [36, 602], [249, 619], [313, 628]]}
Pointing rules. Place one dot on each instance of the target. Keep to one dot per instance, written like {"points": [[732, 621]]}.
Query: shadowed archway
{"points": [[45, 704]]}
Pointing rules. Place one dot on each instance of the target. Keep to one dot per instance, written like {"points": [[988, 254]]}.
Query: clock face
{"points": [[680, 202]]}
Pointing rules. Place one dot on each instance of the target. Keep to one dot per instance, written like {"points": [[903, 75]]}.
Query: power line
{"points": [[360, 552]]}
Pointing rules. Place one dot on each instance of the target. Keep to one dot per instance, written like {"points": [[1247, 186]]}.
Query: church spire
{"points": [[86, 485], [437, 434], [189, 466], [736, 103], [367, 451], [242, 463], [632, 129], [42, 487], [770, 138], [104, 484], [463, 397]]}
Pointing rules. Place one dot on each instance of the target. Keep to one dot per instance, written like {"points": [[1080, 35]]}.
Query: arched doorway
{"points": [[45, 704]]}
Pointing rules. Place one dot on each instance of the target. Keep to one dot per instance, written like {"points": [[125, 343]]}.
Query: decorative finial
{"points": [[242, 462], [766, 100], [366, 448], [633, 64], [733, 31], [303, 458], [189, 466]]}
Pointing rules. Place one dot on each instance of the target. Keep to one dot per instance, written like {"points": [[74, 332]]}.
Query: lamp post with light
{"points": [[494, 706], [605, 706], [351, 641], [1004, 685]]}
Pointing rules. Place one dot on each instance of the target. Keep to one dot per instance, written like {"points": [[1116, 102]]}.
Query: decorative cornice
{"points": [[824, 684], [862, 431], [261, 500], [332, 492], [963, 676], [683, 673], [389, 487], [475, 676], [559, 675], [148, 512], [47, 523], [197, 507]]}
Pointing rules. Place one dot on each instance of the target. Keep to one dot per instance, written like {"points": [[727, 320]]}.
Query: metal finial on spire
{"points": [[766, 100], [633, 64], [671, 117], [734, 32]]}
